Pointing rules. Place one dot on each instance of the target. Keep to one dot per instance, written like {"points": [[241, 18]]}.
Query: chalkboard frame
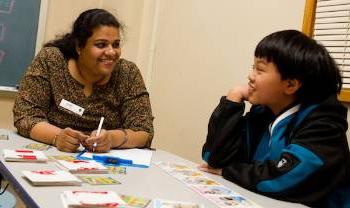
{"points": [[44, 5]]}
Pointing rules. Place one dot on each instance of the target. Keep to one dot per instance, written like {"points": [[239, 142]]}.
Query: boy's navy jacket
{"points": [[304, 159]]}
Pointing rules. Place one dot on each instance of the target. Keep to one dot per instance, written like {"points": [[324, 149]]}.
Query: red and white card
{"points": [[51, 178], [82, 166], [24, 155], [91, 199]]}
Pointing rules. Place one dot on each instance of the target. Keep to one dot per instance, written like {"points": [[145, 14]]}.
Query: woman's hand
{"points": [[103, 142], [205, 167], [238, 94], [68, 140]]}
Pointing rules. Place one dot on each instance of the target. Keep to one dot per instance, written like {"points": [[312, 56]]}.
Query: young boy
{"points": [[292, 143]]}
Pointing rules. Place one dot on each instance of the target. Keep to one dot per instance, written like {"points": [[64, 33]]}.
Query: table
{"points": [[152, 182]]}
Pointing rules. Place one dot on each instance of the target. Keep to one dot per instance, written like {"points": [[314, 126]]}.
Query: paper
{"points": [[139, 157]]}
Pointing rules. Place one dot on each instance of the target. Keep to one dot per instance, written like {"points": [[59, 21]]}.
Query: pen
{"points": [[98, 132]]}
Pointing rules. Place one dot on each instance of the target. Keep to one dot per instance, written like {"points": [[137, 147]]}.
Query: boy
{"points": [[292, 143]]}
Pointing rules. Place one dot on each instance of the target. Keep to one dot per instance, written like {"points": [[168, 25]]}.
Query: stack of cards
{"points": [[24, 155], [51, 178], [82, 166], [91, 199], [220, 195]]}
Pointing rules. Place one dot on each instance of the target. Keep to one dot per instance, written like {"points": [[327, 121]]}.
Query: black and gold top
{"points": [[123, 101]]}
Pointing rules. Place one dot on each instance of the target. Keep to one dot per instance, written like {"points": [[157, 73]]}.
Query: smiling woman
{"points": [[79, 78]]}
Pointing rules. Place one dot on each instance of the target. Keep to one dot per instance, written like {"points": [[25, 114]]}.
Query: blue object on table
{"points": [[7, 200], [112, 160]]}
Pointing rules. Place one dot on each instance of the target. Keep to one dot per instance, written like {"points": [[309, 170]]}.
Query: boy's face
{"points": [[267, 88]]}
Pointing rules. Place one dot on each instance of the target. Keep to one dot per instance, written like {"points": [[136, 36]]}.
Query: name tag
{"points": [[72, 107]]}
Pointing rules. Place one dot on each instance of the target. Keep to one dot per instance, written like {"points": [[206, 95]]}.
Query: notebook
{"points": [[82, 166], [51, 178], [91, 199], [24, 155]]}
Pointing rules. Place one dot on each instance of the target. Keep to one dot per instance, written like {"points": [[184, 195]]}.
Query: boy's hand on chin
{"points": [[238, 94]]}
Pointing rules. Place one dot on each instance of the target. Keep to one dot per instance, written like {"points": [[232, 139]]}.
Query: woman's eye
{"points": [[116, 45], [100, 45]]}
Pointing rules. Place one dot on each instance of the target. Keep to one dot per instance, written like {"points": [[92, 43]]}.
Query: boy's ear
{"points": [[292, 86]]}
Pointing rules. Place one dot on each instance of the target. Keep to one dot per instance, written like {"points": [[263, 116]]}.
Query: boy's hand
{"points": [[238, 94], [205, 167], [68, 140]]}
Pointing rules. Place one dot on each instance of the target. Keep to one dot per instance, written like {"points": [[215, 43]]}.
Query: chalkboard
{"points": [[19, 24]]}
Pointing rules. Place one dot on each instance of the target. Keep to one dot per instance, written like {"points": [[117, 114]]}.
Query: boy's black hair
{"points": [[299, 57], [83, 29]]}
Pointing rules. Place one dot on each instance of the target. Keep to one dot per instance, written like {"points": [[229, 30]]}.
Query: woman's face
{"points": [[100, 54]]}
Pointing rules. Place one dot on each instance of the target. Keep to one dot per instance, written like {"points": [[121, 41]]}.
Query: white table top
{"points": [[151, 183]]}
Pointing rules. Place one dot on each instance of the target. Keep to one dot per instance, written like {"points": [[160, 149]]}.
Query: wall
{"points": [[190, 53]]}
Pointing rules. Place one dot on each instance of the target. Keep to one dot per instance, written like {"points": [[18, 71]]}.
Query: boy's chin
{"points": [[253, 101]]}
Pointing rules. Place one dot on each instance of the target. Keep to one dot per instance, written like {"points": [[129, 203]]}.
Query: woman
{"points": [[79, 78]]}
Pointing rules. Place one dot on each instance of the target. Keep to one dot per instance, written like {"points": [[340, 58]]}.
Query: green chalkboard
{"points": [[18, 35]]}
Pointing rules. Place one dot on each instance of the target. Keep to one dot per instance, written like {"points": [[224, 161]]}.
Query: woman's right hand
{"points": [[238, 94], [68, 140]]}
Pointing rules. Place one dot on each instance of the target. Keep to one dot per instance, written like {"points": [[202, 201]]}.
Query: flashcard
{"points": [[99, 180], [37, 146], [158, 203], [116, 170], [133, 201]]}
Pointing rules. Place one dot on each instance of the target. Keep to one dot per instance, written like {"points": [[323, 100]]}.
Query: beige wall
{"points": [[190, 52]]}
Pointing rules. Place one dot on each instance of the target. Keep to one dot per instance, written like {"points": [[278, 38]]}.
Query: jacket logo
{"points": [[281, 163]]}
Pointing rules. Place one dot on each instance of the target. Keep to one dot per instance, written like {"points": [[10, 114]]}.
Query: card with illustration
{"points": [[212, 190], [171, 166], [158, 203], [4, 137], [62, 157], [133, 201], [199, 181], [37, 146], [99, 180], [184, 173], [233, 200], [116, 170]]}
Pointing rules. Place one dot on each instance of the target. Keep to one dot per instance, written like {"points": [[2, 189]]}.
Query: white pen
{"points": [[98, 132]]}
